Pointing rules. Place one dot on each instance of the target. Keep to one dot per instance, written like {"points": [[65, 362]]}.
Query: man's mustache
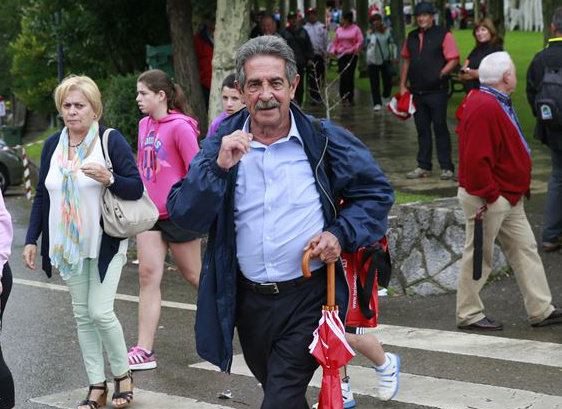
{"points": [[267, 104]]}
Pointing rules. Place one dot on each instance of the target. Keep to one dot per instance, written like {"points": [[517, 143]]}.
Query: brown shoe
{"points": [[555, 317], [485, 324]]}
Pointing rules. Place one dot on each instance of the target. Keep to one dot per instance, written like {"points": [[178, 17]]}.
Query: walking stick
{"points": [[331, 278]]}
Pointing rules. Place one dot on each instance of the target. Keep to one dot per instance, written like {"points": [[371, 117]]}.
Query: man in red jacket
{"points": [[494, 175]]}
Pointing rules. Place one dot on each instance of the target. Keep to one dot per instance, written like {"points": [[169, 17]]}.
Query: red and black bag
{"points": [[366, 270]]}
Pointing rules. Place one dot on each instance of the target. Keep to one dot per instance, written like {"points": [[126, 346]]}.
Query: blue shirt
{"points": [[277, 209]]}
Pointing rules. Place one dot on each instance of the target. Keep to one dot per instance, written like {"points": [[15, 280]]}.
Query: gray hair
{"points": [[265, 45], [557, 20], [493, 67]]}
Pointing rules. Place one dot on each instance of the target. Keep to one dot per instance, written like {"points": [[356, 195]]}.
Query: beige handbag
{"points": [[125, 218]]}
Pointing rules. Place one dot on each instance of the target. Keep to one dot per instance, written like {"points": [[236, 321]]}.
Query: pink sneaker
{"points": [[140, 358]]}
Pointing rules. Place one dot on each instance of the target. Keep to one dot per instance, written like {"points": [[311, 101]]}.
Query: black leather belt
{"points": [[276, 288]]}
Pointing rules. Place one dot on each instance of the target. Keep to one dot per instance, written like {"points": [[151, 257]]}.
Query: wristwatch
{"points": [[111, 181]]}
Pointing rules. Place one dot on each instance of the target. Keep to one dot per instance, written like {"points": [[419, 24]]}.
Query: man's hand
{"points": [[403, 89], [324, 246], [233, 147], [28, 255]]}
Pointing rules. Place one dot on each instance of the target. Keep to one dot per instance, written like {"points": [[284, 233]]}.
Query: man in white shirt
{"points": [[319, 38]]}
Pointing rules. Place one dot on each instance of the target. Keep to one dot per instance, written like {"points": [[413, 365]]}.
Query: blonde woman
{"points": [[66, 214]]}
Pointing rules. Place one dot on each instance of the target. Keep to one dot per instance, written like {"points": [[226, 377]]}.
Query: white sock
{"points": [[386, 363]]}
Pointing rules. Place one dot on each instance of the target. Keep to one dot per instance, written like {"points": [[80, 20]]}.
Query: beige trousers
{"points": [[510, 225]]}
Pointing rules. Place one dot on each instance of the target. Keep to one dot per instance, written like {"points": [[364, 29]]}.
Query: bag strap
{"points": [[104, 148], [364, 291]]}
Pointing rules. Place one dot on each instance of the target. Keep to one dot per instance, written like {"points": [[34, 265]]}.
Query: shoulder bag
{"points": [[125, 218]]}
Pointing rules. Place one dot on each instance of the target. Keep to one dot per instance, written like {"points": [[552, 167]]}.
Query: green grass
{"points": [[403, 197], [521, 45], [34, 151]]}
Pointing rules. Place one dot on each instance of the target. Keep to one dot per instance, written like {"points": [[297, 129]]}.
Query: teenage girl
{"points": [[167, 142]]}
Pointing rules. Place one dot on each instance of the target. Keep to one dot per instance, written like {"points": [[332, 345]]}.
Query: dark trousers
{"points": [[275, 332], [315, 78], [552, 229], [375, 72], [347, 76], [299, 93], [6, 381], [432, 108]]}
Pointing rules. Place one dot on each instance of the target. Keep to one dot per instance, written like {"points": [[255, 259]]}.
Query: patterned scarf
{"points": [[66, 254]]}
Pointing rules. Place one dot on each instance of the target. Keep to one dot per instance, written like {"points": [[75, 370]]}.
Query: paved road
{"points": [[520, 367]]}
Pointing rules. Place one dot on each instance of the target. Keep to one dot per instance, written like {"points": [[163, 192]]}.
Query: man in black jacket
{"points": [[549, 58], [430, 54], [297, 38]]}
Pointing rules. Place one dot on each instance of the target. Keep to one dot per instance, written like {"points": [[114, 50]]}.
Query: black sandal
{"points": [[101, 401], [127, 395]]}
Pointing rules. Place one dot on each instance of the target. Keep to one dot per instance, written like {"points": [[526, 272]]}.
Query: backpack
{"points": [[548, 102]]}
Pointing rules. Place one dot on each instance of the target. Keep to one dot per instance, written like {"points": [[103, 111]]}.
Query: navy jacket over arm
{"points": [[128, 185]]}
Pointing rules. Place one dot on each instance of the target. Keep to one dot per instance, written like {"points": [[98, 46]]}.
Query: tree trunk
{"points": [[346, 6], [283, 14], [185, 61], [269, 6], [397, 19], [440, 6], [231, 32], [495, 13], [547, 13], [477, 11], [293, 5], [321, 10], [363, 23]]}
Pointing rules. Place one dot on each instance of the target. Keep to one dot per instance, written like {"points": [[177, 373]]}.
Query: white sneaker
{"points": [[347, 393], [387, 387], [377, 107]]}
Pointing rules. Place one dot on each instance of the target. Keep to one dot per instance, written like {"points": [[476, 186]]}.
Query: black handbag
{"points": [[388, 66]]}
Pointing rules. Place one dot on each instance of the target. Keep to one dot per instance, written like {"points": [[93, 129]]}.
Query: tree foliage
{"points": [[99, 39], [121, 112]]}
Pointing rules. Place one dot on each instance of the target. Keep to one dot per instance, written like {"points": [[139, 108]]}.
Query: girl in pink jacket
{"points": [[167, 143]]}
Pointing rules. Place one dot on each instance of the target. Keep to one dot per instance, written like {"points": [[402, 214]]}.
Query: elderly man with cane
{"points": [[267, 186], [494, 175]]}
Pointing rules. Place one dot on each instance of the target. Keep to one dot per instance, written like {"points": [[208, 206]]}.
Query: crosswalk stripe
{"points": [[429, 391], [143, 400], [121, 297], [484, 346]]}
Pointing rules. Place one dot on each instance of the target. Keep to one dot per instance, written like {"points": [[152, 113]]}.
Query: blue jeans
{"points": [[92, 304], [552, 220]]}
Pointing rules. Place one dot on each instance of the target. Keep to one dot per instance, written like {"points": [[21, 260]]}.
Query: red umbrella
{"points": [[329, 345]]}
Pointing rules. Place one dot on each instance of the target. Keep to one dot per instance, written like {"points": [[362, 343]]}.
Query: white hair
{"points": [[493, 67]]}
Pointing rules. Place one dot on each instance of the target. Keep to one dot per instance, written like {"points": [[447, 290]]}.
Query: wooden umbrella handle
{"points": [[331, 276]]}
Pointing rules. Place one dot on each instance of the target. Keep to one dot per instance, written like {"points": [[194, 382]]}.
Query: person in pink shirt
{"points": [[6, 235], [345, 47], [167, 143]]}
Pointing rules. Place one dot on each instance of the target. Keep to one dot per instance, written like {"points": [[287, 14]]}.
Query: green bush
{"points": [[120, 109]]}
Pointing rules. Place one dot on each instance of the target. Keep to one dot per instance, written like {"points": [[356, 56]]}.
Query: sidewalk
{"points": [[394, 145]]}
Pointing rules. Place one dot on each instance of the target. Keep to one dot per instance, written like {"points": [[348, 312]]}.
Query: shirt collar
{"points": [[500, 96], [293, 132]]}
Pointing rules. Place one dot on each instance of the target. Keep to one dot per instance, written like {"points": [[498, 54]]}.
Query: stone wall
{"points": [[426, 240]]}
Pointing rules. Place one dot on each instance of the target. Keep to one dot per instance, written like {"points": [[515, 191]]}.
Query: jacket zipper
{"points": [[335, 214]]}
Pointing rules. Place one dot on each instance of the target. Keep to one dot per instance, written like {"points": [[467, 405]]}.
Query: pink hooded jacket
{"points": [[165, 148]]}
